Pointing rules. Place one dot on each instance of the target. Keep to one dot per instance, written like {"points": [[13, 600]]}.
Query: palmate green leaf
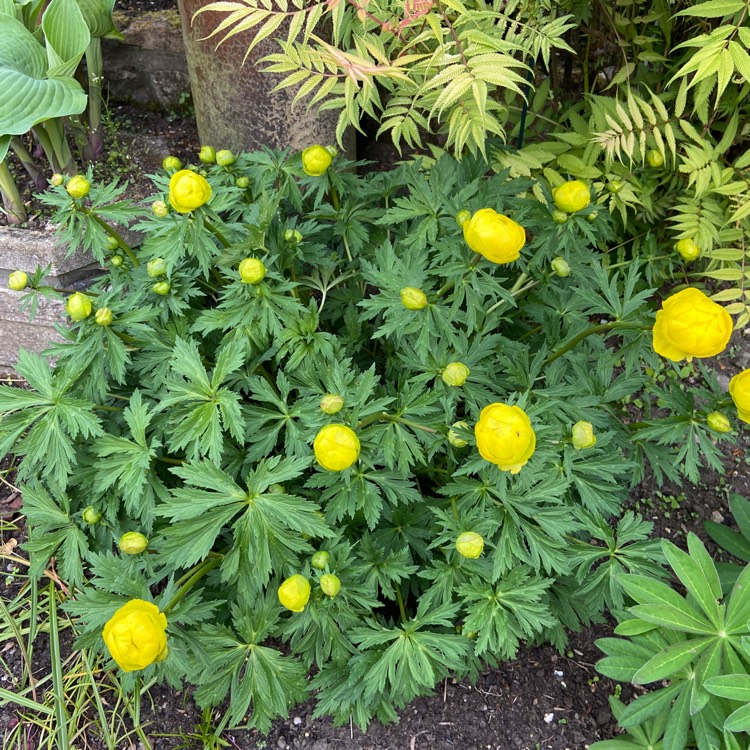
{"points": [[383, 570]]}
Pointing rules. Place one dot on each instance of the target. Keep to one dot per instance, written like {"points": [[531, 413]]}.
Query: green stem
{"points": [[334, 193], [41, 134], [589, 332], [400, 600], [454, 505], [11, 197], [94, 69], [104, 407], [450, 284], [650, 260], [204, 568], [381, 416], [217, 233], [170, 461], [346, 247], [112, 232], [415, 425], [516, 291], [27, 161]]}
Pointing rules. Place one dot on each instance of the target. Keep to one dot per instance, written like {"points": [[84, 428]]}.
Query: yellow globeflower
{"points": [[455, 374], [316, 160], [571, 196], [413, 298], [336, 447], [252, 271], [505, 437], [739, 390], [494, 236], [136, 635], [294, 593], [470, 544], [691, 325], [188, 190]]}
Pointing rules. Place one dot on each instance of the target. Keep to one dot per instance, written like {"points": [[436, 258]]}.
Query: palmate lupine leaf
{"points": [[44, 422]]}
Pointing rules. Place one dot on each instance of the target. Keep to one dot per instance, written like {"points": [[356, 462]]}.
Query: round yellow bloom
{"points": [[330, 584], [494, 236], [691, 325], [505, 437], [136, 635], [739, 390], [78, 306], [571, 196], [294, 593], [316, 160], [78, 186], [188, 191], [455, 373], [133, 543], [583, 435], [413, 298], [331, 403], [470, 544], [454, 438], [336, 447], [718, 422], [688, 250], [18, 280], [252, 271]]}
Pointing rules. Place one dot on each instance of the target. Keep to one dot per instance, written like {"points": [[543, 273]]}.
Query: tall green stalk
{"points": [[11, 197]]}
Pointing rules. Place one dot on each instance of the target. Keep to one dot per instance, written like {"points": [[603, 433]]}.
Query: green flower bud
{"points": [[56, 180], [225, 157], [591, 217], [160, 208], [455, 374], [133, 543], [688, 250], [78, 187], [207, 154], [462, 217], [320, 560], [161, 287], [156, 267], [242, 182], [78, 306], [331, 403], [292, 236], [277, 489], [470, 544], [559, 217], [112, 242], [615, 186], [718, 422], [252, 271], [655, 158], [171, 164], [18, 280], [413, 298], [103, 316], [333, 151], [91, 515], [560, 266], [330, 584], [583, 435], [116, 260], [453, 437]]}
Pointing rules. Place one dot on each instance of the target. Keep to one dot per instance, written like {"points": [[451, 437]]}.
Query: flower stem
{"points": [[112, 232], [400, 600], [589, 332], [203, 568], [216, 232]]}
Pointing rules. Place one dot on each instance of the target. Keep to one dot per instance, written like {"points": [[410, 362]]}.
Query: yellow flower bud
{"points": [[462, 217], [494, 236], [505, 437], [160, 209], [133, 543], [330, 584], [583, 435], [112, 242], [156, 267], [718, 422], [294, 593], [413, 298], [78, 186], [252, 271], [171, 164], [225, 157], [560, 266], [739, 390], [336, 447], [117, 260], [91, 515], [571, 196], [293, 236], [455, 373], [188, 191], [453, 437], [242, 182], [56, 180], [470, 544], [103, 316], [691, 325], [161, 287], [207, 154], [320, 560], [331, 403], [559, 217], [18, 280], [316, 160], [654, 158], [136, 635], [615, 186], [78, 306], [688, 250]]}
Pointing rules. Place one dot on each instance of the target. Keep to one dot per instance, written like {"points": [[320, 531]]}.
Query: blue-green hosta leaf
{"points": [[4, 144], [98, 17], [8, 8], [66, 36], [29, 94]]}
